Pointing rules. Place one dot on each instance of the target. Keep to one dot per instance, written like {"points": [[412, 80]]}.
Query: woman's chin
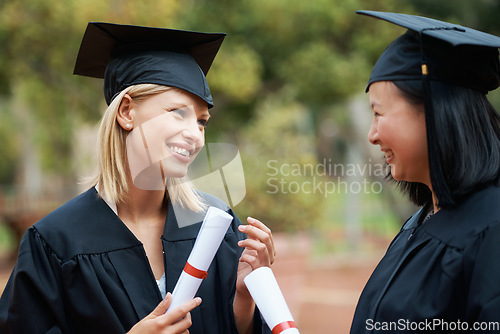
{"points": [[396, 176], [174, 173]]}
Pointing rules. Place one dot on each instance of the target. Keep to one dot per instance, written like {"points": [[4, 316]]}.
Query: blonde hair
{"points": [[111, 175]]}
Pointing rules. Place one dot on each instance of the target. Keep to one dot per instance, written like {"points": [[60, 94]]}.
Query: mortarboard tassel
{"points": [[439, 186]]}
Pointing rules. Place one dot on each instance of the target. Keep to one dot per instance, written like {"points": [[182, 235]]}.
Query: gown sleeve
{"points": [[32, 300], [484, 292]]}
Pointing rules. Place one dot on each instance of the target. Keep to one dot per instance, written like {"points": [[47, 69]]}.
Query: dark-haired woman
{"points": [[441, 138]]}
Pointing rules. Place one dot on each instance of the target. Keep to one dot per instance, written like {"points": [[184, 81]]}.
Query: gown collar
{"points": [[180, 224], [458, 226]]}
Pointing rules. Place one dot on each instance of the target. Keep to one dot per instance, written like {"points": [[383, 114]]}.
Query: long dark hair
{"points": [[468, 139]]}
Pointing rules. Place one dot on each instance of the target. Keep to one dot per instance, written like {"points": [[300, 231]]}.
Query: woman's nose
{"points": [[373, 134], [193, 131]]}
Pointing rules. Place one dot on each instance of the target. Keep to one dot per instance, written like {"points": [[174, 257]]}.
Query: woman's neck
{"points": [[143, 205], [144, 213]]}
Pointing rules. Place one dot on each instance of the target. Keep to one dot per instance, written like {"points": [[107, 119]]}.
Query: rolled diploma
{"points": [[267, 295], [207, 243]]}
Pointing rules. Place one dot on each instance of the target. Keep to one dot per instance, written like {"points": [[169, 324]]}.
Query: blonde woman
{"points": [[105, 261]]}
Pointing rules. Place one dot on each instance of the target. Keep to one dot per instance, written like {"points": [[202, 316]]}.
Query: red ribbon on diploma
{"points": [[282, 326], [189, 269]]}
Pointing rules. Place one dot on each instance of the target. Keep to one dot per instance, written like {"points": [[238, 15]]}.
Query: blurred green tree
{"points": [[307, 56], [280, 82], [40, 40]]}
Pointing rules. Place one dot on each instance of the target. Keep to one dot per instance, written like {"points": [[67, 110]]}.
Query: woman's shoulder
{"points": [[483, 206], [71, 212], [461, 226], [83, 225]]}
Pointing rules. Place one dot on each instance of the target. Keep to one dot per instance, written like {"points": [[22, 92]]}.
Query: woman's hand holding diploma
{"points": [[259, 251], [159, 322]]}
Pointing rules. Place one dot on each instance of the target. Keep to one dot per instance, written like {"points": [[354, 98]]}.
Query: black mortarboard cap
{"points": [[433, 50], [452, 53], [126, 55]]}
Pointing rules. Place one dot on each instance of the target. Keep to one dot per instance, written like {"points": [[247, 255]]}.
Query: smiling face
{"points": [[398, 127], [168, 132]]}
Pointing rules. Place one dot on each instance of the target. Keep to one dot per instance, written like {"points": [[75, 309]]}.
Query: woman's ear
{"points": [[125, 115]]}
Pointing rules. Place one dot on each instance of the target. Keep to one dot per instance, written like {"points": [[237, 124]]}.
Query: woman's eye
{"points": [[203, 122], [180, 112]]}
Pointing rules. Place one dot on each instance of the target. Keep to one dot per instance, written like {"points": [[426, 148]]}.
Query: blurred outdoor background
{"points": [[288, 85]]}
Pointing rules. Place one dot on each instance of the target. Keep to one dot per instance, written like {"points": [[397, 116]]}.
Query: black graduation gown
{"points": [[81, 270], [444, 270]]}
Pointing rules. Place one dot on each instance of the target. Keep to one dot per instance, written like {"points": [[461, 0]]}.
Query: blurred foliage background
{"points": [[288, 85]]}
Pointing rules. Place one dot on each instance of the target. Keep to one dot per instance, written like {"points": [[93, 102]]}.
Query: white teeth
{"points": [[180, 151]]}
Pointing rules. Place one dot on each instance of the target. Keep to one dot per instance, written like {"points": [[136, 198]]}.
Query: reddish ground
{"points": [[321, 292]]}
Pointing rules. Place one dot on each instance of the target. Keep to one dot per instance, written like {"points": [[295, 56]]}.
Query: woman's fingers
{"points": [[162, 306], [180, 325], [182, 310], [176, 321], [257, 231], [252, 259], [257, 223], [261, 226], [257, 250]]}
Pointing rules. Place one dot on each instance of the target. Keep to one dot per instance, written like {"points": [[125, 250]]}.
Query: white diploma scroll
{"points": [[209, 238], [267, 295]]}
